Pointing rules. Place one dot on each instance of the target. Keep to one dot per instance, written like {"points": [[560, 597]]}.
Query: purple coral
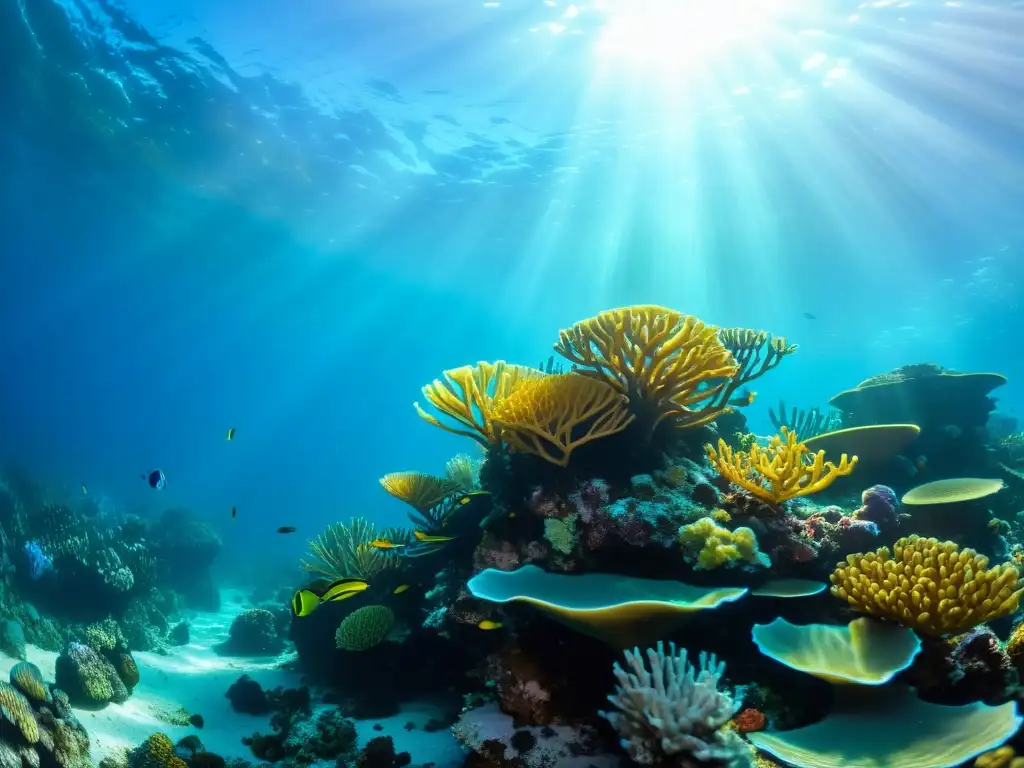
{"points": [[878, 505]]}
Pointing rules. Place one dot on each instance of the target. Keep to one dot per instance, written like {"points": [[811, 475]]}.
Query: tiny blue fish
{"points": [[156, 479]]}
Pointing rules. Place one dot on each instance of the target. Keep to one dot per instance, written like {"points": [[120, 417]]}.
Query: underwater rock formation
{"points": [[253, 633]]}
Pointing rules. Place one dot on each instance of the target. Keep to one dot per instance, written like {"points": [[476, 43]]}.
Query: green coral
{"points": [[89, 679], [560, 533], [365, 628], [27, 678], [157, 751], [711, 546], [16, 710]]}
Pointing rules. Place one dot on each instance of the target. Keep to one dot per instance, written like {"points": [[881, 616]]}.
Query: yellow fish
{"points": [[385, 544], [488, 624], [231, 434], [401, 588], [305, 601], [426, 538]]}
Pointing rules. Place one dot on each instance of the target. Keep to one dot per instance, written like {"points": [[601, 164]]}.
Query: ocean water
{"points": [[286, 218]]}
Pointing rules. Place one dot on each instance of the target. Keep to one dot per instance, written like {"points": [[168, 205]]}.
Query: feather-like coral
{"points": [[675, 708], [784, 469], [418, 489], [552, 416], [930, 585], [344, 550]]}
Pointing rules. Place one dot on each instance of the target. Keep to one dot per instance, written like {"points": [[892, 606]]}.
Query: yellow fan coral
{"points": [[713, 546], [554, 415], [930, 585], [467, 396], [785, 469], [667, 363], [418, 489]]}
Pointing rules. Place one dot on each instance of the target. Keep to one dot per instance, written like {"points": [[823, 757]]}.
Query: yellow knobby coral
{"points": [[665, 362], [554, 415], [365, 628], [1004, 757], [418, 489], [930, 585], [14, 708], [785, 469], [467, 395], [713, 546], [157, 751]]}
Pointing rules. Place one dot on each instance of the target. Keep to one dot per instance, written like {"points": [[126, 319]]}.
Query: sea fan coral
{"points": [[344, 550], [552, 416], [675, 708]]}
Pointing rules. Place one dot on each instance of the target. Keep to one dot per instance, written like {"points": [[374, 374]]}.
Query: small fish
{"points": [[743, 399], [156, 479], [85, 491], [487, 624], [305, 601], [426, 538], [231, 434], [385, 544], [196, 720], [287, 529], [401, 588], [809, 316], [234, 512]]}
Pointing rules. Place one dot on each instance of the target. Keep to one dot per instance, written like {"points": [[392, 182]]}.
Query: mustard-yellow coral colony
{"points": [[783, 470], [641, 363], [930, 585]]}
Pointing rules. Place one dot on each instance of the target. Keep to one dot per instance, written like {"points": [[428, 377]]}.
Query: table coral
{"points": [[932, 586]]}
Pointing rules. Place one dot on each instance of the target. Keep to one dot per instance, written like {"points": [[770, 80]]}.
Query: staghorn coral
{"points": [[468, 395], [756, 352], [668, 364], [364, 628], [712, 546], [418, 489], [784, 470], [930, 585], [344, 550], [552, 416], [675, 709]]}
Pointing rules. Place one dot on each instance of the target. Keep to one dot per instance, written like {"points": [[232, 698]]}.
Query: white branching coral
{"points": [[675, 708]]}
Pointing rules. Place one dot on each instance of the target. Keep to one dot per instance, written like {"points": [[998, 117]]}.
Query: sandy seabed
{"points": [[195, 677]]}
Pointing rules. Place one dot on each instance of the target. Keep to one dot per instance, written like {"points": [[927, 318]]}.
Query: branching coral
{"points": [[344, 550], [933, 586], [675, 709], [552, 416], [467, 396], [665, 362], [785, 469], [756, 352]]}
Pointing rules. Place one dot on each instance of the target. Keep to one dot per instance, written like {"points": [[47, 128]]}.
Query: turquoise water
{"points": [[287, 218]]}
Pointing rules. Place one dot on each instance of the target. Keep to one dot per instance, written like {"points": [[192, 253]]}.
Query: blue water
{"points": [[286, 218]]}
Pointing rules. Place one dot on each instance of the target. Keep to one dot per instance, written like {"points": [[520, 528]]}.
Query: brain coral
{"points": [[365, 628]]}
